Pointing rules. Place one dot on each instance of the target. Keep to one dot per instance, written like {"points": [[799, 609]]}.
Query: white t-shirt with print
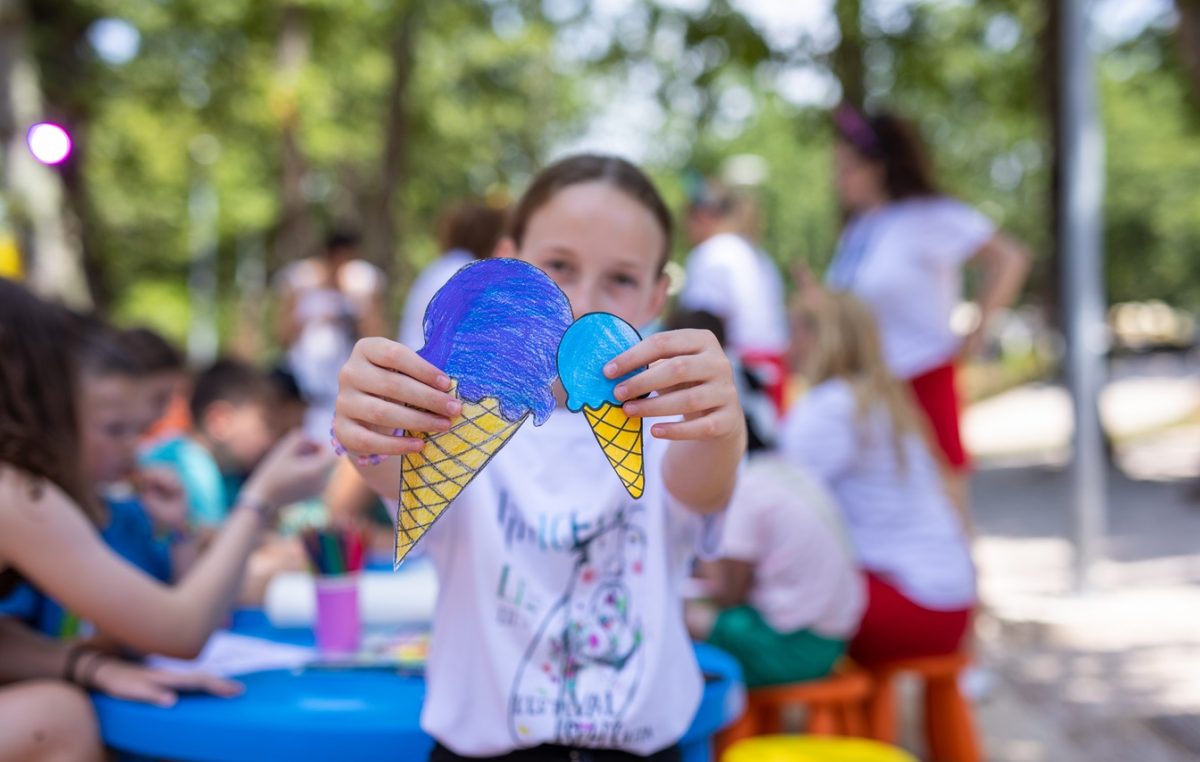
{"points": [[411, 331], [905, 261], [559, 616], [899, 518], [784, 522], [738, 283]]}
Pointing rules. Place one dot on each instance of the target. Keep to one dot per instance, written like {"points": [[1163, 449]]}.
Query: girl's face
{"points": [[859, 181], [602, 248], [157, 390], [111, 420]]}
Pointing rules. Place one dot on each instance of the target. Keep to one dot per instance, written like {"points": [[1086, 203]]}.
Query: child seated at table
{"points": [[49, 510], [163, 381], [857, 432], [787, 591], [231, 408]]}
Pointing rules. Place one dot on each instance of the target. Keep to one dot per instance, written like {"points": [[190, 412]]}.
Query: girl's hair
{"points": [[471, 226], [39, 426], [894, 142], [589, 168], [847, 347], [151, 350], [102, 351]]}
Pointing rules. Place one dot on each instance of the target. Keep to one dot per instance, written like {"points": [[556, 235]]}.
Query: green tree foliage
{"points": [[498, 86], [205, 97]]}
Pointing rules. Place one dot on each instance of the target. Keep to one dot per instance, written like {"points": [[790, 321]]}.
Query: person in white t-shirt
{"points": [[327, 302], [903, 251], [785, 580], [729, 276], [467, 231], [559, 622], [856, 431]]}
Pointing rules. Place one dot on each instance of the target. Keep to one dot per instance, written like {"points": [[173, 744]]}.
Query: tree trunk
{"points": [[62, 58], [46, 228], [1053, 97], [848, 65], [381, 231], [296, 235], [1189, 42]]}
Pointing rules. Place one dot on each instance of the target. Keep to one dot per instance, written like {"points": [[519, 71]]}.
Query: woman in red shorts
{"points": [[902, 252]]}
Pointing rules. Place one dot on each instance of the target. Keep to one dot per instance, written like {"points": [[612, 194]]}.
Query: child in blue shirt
{"points": [[231, 409]]}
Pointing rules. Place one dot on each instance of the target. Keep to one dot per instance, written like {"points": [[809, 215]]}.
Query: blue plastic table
{"points": [[323, 714]]}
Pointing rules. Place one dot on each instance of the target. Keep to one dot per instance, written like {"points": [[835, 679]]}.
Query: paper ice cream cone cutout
{"points": [[433, 477], [621, 439], [586, 347], [494, 329]]}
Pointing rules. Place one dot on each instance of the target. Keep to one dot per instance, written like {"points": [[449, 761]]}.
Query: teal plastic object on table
{"points": [[323, 714]]}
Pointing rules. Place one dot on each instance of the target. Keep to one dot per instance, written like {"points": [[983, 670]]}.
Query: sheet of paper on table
{"points": [[228, 654]]}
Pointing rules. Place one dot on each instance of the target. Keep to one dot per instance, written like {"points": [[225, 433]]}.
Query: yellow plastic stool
{"points": [[813, 749]]}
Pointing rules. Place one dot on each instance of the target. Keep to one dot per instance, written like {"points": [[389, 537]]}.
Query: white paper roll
{"points": [[406, 597]]}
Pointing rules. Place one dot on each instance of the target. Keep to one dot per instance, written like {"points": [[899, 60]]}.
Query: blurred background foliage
{"points": [[298, 115]]}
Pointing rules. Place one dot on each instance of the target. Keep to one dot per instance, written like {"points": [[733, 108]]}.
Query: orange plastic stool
{"points": [[836, 707], [949, 725]]}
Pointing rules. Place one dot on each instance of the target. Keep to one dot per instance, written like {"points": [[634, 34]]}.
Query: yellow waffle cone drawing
{"points": [[493, 329], [621, 439], [434, 477]]}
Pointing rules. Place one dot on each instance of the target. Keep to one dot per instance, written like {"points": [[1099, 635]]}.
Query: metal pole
{"points": [[1083, 287]]}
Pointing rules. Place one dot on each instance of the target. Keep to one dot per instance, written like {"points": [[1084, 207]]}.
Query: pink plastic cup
{"points": [[339, 626]]}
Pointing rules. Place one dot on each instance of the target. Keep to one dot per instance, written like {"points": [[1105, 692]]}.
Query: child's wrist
{"points": [[77, 655], [257, 503]]}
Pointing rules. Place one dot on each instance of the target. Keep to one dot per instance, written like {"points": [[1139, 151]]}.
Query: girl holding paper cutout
{"points": [[559, 622]]}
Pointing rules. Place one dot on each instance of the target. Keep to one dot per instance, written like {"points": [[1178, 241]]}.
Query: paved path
{"points": [[1114, 675]]}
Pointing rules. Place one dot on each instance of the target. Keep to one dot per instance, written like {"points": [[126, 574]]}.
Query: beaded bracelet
{"points": [[261, 507], [363, 460]]}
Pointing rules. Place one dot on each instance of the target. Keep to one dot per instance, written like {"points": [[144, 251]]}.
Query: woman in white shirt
{"points": [[729, 276], [327, 302], [903, 251], [857, 433]]}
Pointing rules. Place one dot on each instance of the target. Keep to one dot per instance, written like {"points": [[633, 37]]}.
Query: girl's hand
{"points": [[133, 682], [386, 387], [163, 497], [295, 469], [692, 377]]}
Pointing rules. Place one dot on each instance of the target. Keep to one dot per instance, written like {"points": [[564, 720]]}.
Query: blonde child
{"points": [[856, 430], [559, 624]]}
